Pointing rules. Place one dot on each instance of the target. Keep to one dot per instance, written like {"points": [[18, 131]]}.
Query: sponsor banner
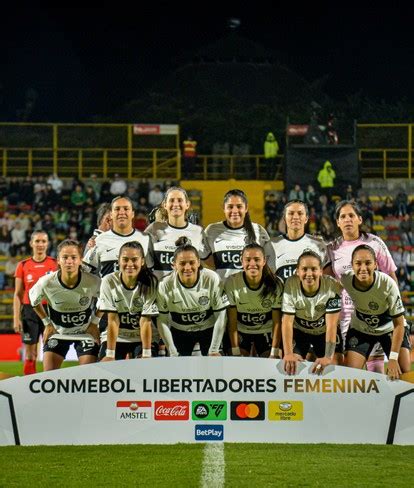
{"points": [[285, 410], [249, 410], [165, 400], [209, 432], [133, 410], [209, 410], [155, 129]]}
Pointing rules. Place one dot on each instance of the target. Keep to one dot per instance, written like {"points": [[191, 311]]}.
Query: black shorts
{"points": [[123, 349], [302, 342], [82, 347], [262, 342], [32, 325], [185, 341], [363, 344]]}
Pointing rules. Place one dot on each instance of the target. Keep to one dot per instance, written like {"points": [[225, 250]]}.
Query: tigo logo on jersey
{"points": [[133, 410], [209, 432], [172, 410], [285, 410], [209, 410], [247, 410]]}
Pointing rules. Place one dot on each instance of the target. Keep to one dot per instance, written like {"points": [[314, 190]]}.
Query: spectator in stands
{"points": [[349, 193], [388, 208], [367, 212], [323, 206], [18, 240], [400, 256], [310, 196], [143, 188], [326, 228], [56, 183], [95, 184], [3, 187], [143, 206], [9, 271], [132, 192], [7, 220], [401, 203], [90, 196], [326, 179], [404, 281], [118, 186], [296, 193], [105, 196], [14, 191], [406, 230], [156, 196], [270, 149], [27, 191], [5, 240], [78, 197], [270, 210]]}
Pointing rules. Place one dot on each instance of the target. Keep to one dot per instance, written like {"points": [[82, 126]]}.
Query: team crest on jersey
{"points": [[83, 301], [52, 343], [373, 305], [320, 308], [266, 303], [203, 300], [138, 302], [353, 342]]}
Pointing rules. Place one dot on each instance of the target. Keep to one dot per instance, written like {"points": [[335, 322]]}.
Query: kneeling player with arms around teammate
{"points": [[129, 297], [311, 308], [70, 295], [192, 305], [378, 315], [255, 297]]}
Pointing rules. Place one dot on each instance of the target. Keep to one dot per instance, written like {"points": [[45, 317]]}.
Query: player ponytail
{"points": [[183, 244]]}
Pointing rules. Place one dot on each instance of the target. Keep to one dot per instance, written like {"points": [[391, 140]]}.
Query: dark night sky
{"points": [[85, 62]]}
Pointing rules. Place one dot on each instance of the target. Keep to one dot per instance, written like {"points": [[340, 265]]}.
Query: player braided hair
{"points": [[270, 281], [247, 224], [147, 281]]}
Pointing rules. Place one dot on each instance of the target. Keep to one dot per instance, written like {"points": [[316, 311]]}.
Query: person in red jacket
{"points": [[25, 320]]}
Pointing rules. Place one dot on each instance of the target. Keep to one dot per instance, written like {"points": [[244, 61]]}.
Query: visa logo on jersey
{"points": [[247, 410], [209, 432], [172, 410]]}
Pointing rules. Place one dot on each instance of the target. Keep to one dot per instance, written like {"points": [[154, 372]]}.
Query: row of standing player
{"points": [[226, 239]]}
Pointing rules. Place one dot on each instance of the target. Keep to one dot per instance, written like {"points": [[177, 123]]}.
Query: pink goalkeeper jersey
{"points": [[340, 253]]}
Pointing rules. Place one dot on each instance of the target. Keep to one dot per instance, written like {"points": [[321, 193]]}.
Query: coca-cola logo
{"points": [[172, 410]]}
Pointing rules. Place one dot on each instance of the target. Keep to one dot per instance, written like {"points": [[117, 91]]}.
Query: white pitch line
{"points": [[212, 474]]}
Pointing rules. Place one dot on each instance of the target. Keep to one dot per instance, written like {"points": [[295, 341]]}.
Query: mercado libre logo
{"points": [[172, 410], [133, 410], [247, 410], [287, 410], [209, 410]]}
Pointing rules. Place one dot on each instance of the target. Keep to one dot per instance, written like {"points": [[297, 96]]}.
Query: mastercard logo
{"points": [[247, 411]]}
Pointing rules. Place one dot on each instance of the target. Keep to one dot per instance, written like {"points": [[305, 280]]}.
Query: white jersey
{"points": [[163, 237], [70, 309], [254, 313], [130, 304], [227, 243], [103, 257], [191, 309], [283, 253], [374, 308], [309, 311]]}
